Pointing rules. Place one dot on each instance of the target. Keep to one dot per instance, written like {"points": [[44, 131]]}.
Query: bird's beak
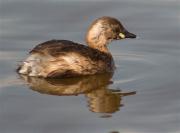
{"points": [[127, 34]]}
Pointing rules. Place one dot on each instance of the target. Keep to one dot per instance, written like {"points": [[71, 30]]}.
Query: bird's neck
{"points": [[99, 44], [102, 48]]}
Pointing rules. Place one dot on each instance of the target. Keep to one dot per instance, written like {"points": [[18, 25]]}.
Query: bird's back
{"points": [[62, 58]]}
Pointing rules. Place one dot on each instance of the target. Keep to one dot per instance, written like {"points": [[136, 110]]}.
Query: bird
{"points": [[64, 58]]}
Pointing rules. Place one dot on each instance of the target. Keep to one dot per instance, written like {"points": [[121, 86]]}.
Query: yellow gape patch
{"points": [[122, 35]]}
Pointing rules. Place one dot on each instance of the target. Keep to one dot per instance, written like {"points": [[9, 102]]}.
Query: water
{"points": [[143, 96]]}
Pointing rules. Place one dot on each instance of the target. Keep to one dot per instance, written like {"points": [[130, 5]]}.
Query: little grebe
{"points": [[63, 58]]}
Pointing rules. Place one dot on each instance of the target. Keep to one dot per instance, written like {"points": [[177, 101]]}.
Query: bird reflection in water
{"points": [[100, 98]]}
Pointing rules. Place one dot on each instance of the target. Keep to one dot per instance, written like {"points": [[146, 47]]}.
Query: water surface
{"points": [[147, 69]]}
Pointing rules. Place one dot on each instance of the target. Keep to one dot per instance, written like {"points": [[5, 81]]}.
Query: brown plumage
{"points": [[63, 58]]}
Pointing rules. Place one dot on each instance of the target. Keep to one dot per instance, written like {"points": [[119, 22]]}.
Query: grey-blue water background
{"points": [[149, 65]]}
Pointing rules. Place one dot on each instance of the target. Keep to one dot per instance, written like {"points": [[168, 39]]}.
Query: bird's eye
{"points": [[122, 36]]}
